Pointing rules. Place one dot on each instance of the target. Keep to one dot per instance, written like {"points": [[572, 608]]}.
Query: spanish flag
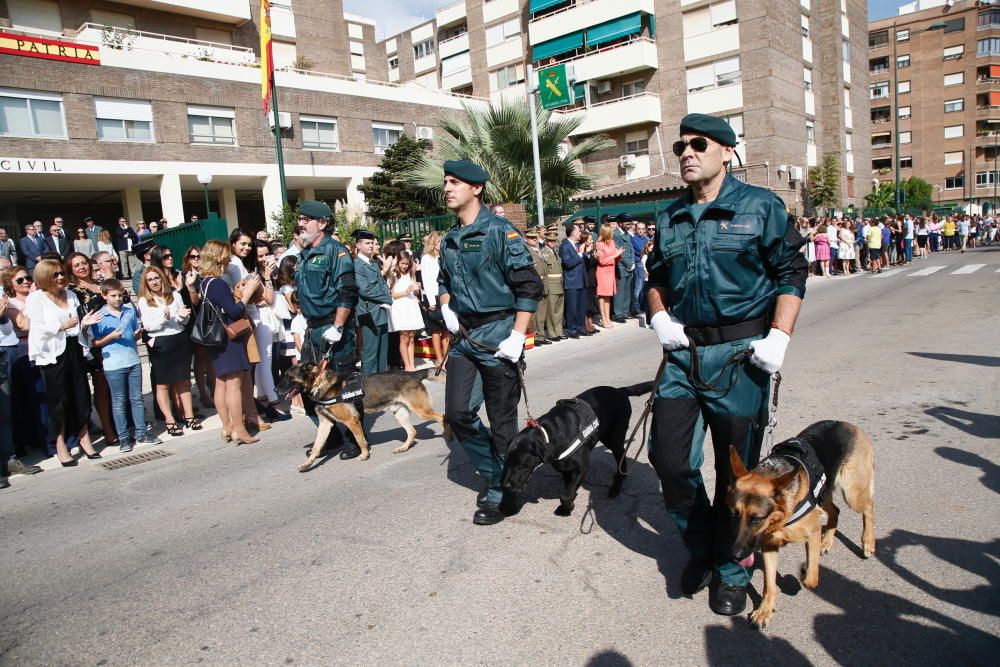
{"points": [[266, 55]]}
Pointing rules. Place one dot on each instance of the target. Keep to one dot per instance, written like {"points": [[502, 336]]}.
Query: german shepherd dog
{"points": [[552, 441], [770, 505], [398, 392]]}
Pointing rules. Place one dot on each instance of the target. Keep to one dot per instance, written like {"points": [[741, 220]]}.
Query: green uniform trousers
{"points": [[621, 302], [681, 414], [374, 348]]}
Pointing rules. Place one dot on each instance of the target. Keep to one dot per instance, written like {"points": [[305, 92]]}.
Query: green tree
{"points": [[883, 196], [917, 193], [499, 138], [388, 195], [824, 183], [285, 221]]}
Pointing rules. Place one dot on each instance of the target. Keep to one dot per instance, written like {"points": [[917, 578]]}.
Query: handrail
{"points": [[449, 6], [573, 5], [603, 49], [452, 39], [167, 38]]}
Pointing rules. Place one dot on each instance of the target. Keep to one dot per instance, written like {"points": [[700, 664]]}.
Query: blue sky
{"points": [[394, 16]]}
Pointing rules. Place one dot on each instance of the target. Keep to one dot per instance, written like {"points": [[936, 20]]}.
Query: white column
{"points": [[171, 200], [273, 205], [307, 194], [227, 208], [355, 198], [132, 205]]}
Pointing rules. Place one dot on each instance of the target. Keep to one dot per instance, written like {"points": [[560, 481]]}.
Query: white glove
{"points": [[332, 335], [511, 347], [669, 330], [450, 318], [769, 352]]}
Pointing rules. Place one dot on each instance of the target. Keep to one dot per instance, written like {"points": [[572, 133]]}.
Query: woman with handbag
{"points": [[204, 377], [164, 315], [229, 359]]}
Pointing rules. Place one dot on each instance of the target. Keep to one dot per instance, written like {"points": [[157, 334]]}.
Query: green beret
{"points": [[315, 209], [712, 127], [463, 170]]}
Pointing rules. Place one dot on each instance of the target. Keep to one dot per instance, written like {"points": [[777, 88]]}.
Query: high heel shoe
{"points": [[93, 456], [244, 439], [193, 423], [68, 464], [226, 437]]}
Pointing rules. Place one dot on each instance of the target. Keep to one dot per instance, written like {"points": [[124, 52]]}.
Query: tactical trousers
{"points": [[475, 376], [554, 315], [622, 299], [538, 318], [681, 414], [374, 348]]}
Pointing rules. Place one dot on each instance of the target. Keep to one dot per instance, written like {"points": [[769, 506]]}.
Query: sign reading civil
{"points": [[50, 49], [553, 87]]}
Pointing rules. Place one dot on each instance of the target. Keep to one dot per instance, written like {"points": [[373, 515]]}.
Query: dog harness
{"points": [[588, 425], [353, 390], [802, 454]]}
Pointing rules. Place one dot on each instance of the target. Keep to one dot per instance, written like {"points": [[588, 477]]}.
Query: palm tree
{"points": [[883, 196], [499, 138]]}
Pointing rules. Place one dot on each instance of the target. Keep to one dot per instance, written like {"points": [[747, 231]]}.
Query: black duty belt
{"points": [[476, 321], [320, 321], [702, 336]]}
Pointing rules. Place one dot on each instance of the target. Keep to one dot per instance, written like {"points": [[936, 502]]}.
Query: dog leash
{"points": [[519, 367], [623, 467], [772, 418]]}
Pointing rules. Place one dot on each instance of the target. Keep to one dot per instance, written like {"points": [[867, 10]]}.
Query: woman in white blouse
{"points": [[429, 270], [55, 348], [163, 316]]}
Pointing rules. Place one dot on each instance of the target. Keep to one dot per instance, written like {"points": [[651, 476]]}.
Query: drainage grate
{"points": [[136, 459]]}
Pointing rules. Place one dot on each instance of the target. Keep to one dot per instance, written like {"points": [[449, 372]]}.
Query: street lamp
{"points": [[205, 179], [895, 96], [938, 189]]}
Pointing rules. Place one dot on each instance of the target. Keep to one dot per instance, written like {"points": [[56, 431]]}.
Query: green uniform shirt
{"points": [[373, 291], [539, 263], [624, 241], [730, 264], [320, 275]]}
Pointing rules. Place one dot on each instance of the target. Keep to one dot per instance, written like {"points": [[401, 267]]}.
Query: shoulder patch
{"points": [[341, 253], [513, 235]]}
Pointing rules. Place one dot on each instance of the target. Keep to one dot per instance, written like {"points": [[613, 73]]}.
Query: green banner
{"points": [[553, 87]]}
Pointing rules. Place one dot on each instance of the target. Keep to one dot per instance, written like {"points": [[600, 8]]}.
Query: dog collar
{"points": [[587, 418], [803, 456]]}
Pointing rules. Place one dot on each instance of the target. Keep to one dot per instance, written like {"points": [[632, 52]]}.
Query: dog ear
{"points": [[782, 482], [739, 470]]}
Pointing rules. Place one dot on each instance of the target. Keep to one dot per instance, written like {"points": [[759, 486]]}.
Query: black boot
{"points": [[725, 599]]}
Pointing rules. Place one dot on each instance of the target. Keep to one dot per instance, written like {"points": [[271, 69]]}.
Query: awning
{"points": [[621, 27], [645, 211], [539, 5], [557, 46]]}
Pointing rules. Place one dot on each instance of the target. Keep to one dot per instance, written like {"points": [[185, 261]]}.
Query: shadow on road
{"points": [[741, 644], [608, 659], [991, 471], [975, 359], [973, 423]]}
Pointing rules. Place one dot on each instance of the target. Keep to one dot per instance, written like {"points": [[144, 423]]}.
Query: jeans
{"points": [[638, 289], [908, 249], [126, 391]]}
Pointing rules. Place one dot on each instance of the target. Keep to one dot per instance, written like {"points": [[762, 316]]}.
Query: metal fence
{"points": [[417, 228], [182, 237]]}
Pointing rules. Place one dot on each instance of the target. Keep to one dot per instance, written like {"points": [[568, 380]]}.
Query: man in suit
{"points": [[538, 317], [124, 238], [30, 247], [574, 274], [374, 302], [55, 242], [554, 286], [623, 274]]}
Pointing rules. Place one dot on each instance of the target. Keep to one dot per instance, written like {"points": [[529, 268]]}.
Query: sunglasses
{"points": [[58, 274], [22, 280], [168, 256], [193, 256], [699, 144]]}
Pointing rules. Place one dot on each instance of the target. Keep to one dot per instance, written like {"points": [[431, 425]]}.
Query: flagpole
{"points": [[277, 143]]}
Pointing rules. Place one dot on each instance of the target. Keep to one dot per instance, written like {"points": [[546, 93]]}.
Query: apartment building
{"points": [[112, 107], [641, 65], [935, 68]]}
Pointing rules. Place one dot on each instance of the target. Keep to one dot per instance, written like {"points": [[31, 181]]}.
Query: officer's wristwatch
{"points": [[339, 328]]}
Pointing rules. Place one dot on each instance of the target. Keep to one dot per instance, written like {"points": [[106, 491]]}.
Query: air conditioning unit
{"points": [[424, 132], [284, 120], [603, 87], [795, 173], [626, 161]]}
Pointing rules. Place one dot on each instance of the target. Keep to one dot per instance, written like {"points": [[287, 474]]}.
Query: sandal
{"points": [[193, 423], [173, 428]]}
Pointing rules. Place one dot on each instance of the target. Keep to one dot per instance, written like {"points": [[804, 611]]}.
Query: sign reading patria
{"points": [[50, 49]]}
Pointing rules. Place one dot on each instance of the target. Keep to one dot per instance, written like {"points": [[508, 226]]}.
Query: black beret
{"points": [[463, 170], [712, 127], [625, 217], [315, 209], [608, 218]]}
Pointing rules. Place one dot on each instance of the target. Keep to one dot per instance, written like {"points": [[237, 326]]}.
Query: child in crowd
{"points": [[115, 336]]}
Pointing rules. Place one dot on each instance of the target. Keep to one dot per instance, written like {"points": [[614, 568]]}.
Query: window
{"points": [[501, 32], [123, 120], [988, 47], [805, 29], [881, 140], [118, 20], [954, 25], [880, 115], [807, 78], [876, 65], [878, 164], [904, 137], [455, 63], [357, 49], [903, 87], [902, 61], [904, 112], [319, 133], [984, 178], [955, 79], [951, 106], [29, 114], [847, 98], [954, 182], [723, 13], [878, 91], [906, 163], [848, 141], [212, 125], [425, 48], [954, 157], [727, 72], [633, 88], [736, 122], [903, 35], [505, 77], [954, 52], [878, 39], [990, 19], [211, 35], [385, 135], [394, 62], [637, 143], [954, 131], [810, 133], [845, 51], [36, 15]]}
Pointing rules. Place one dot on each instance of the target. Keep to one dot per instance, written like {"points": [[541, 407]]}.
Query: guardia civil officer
{"points": [[374, 302], [622, 300], [327, 293], [488, 290], [726, 274]]}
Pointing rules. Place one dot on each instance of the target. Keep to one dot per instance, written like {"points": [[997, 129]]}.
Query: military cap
{"points": [[552, 227], [315, 209], [608, 218], [624, 218], [712, 127], [363, 235], [531, 234], [589, 219], [87, 218], [140, 249], [467, 171], [552, 236], [405, 237]]}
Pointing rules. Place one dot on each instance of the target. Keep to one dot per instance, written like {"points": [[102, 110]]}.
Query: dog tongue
{"points": [[747, 562]]}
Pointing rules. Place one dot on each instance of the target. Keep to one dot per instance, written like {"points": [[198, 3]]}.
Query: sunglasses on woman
{"points": [[58, 274], [698, 144], [193, 256], [22, 280]]}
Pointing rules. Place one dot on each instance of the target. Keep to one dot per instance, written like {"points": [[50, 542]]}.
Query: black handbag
{"points": [[209, 330]]}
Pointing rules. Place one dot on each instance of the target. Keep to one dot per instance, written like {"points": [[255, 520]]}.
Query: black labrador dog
{"points": [[564, 437]]}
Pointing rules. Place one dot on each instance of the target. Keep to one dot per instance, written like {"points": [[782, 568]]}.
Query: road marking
{"points": [[968, 268], [928, 271], [888, 272]]}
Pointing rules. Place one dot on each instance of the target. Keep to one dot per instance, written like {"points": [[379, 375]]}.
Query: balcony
{"points": [[712, 43], [425, 64], [987, 138], [638, 109], [462, 77], [453, 45], [450, 15], [496, 9], [987, 83], [716, 99], [228, 11], [581, 15], [137, 46], [986, 112], [881, 148], [614, 60], [504, 52]]}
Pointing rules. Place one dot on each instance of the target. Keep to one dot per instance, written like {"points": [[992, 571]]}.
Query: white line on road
{"points": [[928, 271], [888, 272], [968, 268]]}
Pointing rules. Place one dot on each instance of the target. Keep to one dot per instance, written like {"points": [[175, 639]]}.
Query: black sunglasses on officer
{"points": [[698, 145]]}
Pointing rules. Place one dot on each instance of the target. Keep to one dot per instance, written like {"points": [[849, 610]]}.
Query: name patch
{"points": [[740, 224], [472, 244], [319, 260]]}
